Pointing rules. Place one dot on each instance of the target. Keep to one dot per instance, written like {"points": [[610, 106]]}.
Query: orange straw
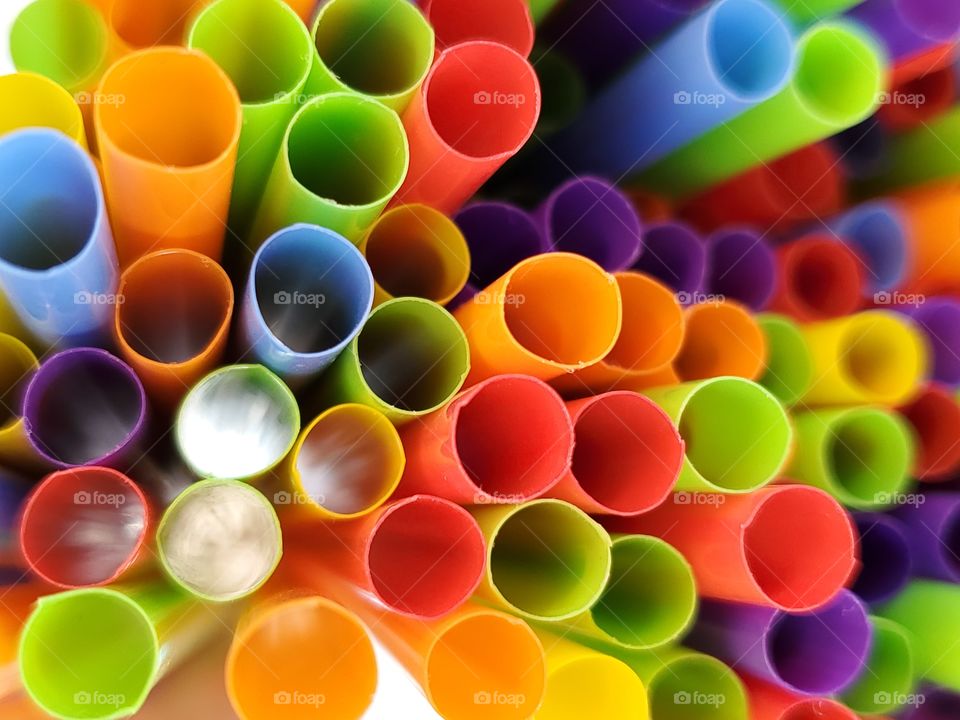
{"points": [[722, 338]]}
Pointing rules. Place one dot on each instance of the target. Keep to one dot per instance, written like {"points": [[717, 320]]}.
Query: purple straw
{"points": [[591, 217], [499, 235], [85, 407], [909, 27], [885, 560], [816, 653], [675, 255], [939, 318], [937, 704], [742, 267], [933, 533]]}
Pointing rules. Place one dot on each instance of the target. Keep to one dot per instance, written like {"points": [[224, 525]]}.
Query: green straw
{"points": [[840, 74], [862, 456], [810, 11], [889, 675], [265, 49], [342, 159], [737, 433], [563, 90], [539, 9], [789, 371]]}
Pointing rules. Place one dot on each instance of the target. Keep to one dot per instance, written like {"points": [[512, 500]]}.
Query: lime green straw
{"points": [[840, 74], [539, 9], [810, 11], [789, 371], [265, 49], [889, 675]]}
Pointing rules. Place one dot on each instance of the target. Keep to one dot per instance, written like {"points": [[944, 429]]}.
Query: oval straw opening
{"points": [[719, 691], [824, 277], [878, 234], [653, 325], [885, 561], [675, 255], [868, 456], [742, 268], [499, 236], [882, 354], [789, 372]]}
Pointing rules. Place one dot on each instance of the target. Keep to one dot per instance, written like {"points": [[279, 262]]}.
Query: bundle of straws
{"points": [[597, 359]]}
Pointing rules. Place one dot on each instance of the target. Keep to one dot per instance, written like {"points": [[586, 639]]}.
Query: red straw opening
{"points": [[935, 417], [507, 22], [820, 278]]}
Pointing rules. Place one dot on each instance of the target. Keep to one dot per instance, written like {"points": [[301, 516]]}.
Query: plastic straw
{"points": [[307, 295], [879, 235], [789, 367], [934, 416], [499, 236], [939, 320], [507, 22], [908, 28], [675, 255], [479, 449], [932, 528], [808, 11], [819, 278], [139, 26], [937, 704], [30, 100], [168, 150], [770, 702], [742, 267], [919, 100], [931, 213], [740, 547], [17, 604], [888, 676], [886, 563], [57, 263], [237, 423], [17, 365]]}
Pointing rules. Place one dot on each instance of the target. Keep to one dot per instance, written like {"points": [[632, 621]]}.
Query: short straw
{"points": [[888, 675], [818, 278], [627, 455], [546, 559], [879, 235], [164, 23], [499, 236], [219, 540], [934, 417], [721, 338], [675, 255], [919, 100], [742, 267], [319, 656], [414, 250], [839, 75], [168, 150], [815, 653], [477, 107], [649, 601], [590, 216], [932, 215], [362, 139], [85, 407], [522, 324], [874, 356], [84, 526], [908, 27], [719, 64], [932, 529], [58, 266], [939, 320], [479, 449], [771, 702], [860, 455], [789, 368], [736, 433], [344, 464], [307, 294], [809, 11], [740, 547], [31, 100], [378, 48], [17, 365], [507, 22], [238, 422], [173, 322], [886, 564], [408, 360], [266, 51]]}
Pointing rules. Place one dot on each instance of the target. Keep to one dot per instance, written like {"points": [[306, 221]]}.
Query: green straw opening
{"points": [[789, 371], [889, 673], [696, 687], [868, 457], [90, 653]]}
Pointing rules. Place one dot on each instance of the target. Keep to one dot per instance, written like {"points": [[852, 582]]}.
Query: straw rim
{"points": [[11, 344]]}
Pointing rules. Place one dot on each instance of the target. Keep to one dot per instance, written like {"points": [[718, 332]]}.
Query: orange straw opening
{"points": [[653, 325], [721, 339]]}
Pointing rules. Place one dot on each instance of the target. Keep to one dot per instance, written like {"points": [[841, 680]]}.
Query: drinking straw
{"points": [[546, 559], [168, 150], [860, 455], [236, 423], [414, 250], [85, 407], [805, 11], [742, 267], [479, 449], [627, 455], [520, 323], [650, 599], [934, 417], [719, 64], [888, 675], [932, 528], [789, 368], [266, 51], [31, 100], [874, 356], [814, 653], [17, 365], [173, 322], [408, 360], [421, 556], [303, 8], [17, 603], [770, 702], [499, 235], [344, 464], [886, 563], [819, 278], [590, 216], [507, 22], [741, 548], [907, 28], [675, 255], [839, 74], [302, 654], [931, 214], [721, 338], [164, 23], [914, 66], [581, 682], [651, 337], [219, 540], [377, 48], [919, 100], [476, 108], [879, 235], [84, 526], [927, 610], [932, 703], [307, 294], [939, 320], [362, 139], [57, 263]]}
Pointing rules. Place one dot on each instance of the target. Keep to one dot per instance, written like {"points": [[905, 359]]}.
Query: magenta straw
{"points": [[932, 530], [741, 266], [499, 235], [675, 254], [886, 565]]}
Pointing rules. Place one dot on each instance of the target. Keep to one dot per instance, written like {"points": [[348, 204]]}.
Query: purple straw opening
{"points": [[885, 558], [742, 267], [932, 531], [499, 235], [675, 255], [938, 704], [933, 19], [940, 320]]}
